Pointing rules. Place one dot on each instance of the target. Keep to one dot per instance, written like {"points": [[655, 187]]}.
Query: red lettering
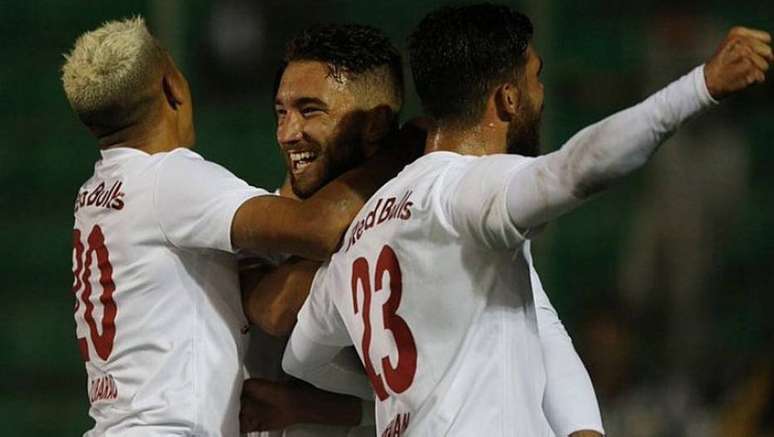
{"points": [[94, 194], [371, 217], [406, 212], [385, 214]]}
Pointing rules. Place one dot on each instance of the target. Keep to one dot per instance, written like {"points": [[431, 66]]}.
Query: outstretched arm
{"points": [[603, 153], [499, 199]]}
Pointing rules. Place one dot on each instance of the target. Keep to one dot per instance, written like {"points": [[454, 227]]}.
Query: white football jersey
{"points": [[158, 311], [433, 287]]}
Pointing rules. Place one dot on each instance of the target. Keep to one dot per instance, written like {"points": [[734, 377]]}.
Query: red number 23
{"points": [[399, 377]]}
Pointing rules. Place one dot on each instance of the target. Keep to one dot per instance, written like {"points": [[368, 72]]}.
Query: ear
{"points": [[380, 121], [506, 99], [173, 91]]}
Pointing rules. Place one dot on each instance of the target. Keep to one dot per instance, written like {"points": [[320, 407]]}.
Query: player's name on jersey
{"points": [[103, 388], [397, 426], [100, 197], [385, 210]]}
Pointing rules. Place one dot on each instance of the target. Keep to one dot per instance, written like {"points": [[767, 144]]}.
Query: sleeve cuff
{"points": [[700, 81]]}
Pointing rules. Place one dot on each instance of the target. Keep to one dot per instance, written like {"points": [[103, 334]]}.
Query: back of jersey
{"points": [[158, 312], [433, 288]]}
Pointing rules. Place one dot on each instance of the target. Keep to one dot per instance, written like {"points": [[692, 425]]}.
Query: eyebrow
{"points": [[302, 101]]}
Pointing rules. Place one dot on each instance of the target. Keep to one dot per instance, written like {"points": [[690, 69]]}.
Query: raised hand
{"points": [[741, 60]]}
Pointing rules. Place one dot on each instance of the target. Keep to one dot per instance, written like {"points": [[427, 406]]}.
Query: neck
{"points": [[484, 138], [148, 138]]}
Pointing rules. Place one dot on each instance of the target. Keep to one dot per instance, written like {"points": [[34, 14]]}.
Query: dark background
{"points": [[664, 282]]}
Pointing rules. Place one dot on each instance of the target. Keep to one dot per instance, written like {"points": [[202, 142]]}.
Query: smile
{"points": [[300, 160]]}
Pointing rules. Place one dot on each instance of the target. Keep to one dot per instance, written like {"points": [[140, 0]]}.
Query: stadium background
{"points": [[663, 282]]}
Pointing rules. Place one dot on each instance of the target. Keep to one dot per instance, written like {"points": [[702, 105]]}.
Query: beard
{"points": [[341, 153], [523, 136]]}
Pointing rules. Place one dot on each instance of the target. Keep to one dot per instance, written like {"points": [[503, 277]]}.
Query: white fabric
{"points": [[177, 354]]}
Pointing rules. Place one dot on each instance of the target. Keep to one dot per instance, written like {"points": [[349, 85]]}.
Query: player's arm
{"points": [[311, 228], [499, 199], [603, 153], [315, 362], [569, 401], [272, 298]]}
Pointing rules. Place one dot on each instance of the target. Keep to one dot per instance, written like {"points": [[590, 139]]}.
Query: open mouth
{"points": [[300, 160]]}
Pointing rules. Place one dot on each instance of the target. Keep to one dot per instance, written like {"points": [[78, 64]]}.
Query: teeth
{"points": [[301, 159], [297, 156]]}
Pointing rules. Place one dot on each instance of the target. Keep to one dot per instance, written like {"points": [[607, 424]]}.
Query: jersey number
{"points": [[103, 343], [400, 376]]}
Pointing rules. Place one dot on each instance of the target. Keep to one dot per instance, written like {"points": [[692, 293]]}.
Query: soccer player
{"points": [[158, 311], [337, 100], [434, 284], [334, 73]]}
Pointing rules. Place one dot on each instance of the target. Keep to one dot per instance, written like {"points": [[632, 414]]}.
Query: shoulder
{"points": [[186, 165]]}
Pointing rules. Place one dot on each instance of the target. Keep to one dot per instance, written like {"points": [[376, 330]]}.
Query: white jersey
{"points": [[158, 310], [438, 301]]}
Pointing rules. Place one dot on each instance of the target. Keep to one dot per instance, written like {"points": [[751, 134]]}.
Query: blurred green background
{"points": [[664, 282]]}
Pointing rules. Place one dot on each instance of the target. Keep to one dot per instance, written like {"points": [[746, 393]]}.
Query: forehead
{"points": [[313, 79]]}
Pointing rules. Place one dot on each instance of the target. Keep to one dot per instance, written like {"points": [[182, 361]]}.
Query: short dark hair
{"points": [[348, 49], [458, 54]]}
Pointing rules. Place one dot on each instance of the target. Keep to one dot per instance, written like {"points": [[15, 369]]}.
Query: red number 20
{"points": [[103, 343], [400, 376]]}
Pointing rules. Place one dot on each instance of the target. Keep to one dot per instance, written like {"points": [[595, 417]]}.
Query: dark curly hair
{"points": [[458, 54], [347, 49]]}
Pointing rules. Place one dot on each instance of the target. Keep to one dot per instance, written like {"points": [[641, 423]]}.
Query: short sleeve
{"points": [[319, 319], [473, 198], [195, 201]]}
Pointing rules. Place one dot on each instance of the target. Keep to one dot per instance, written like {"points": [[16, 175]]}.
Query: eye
{"points": [[310, 111], [280, 112]]}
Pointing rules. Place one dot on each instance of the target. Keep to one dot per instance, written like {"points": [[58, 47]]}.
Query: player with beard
{"points": [[434, 285], [337, 100], [338, 96]]}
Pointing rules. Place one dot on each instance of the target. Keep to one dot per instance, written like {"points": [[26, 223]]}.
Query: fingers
{"points": [[752, 58], [762, 49], [759, 35], [760, 63], [754, 55]]}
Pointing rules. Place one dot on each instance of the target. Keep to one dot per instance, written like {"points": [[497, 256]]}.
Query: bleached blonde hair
{"points": [[107, 74]]}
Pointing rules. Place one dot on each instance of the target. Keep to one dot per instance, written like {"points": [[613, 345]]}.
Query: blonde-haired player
{"points": [[158, 310]]}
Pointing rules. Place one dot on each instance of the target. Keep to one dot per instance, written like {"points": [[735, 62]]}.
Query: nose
{"points": [[289, 129]]}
